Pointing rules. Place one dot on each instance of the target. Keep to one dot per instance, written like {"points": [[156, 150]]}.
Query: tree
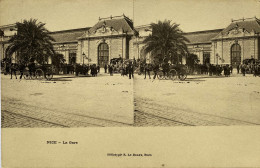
{"points": [[191, 61], [167, 38], [58, 60], [32, 41]]}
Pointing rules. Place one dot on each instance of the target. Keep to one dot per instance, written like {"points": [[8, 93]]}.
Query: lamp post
{"points": [[83, 55], [217, 56]]}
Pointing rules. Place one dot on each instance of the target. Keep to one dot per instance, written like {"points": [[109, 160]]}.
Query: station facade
{"points": [[116, 37]]}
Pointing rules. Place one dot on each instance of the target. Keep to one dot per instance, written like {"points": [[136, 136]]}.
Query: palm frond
{"points": [[31, 41]]}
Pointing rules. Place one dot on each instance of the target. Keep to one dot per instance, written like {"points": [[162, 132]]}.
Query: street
{"points": [[198, 101], [67, 101], [116, 101]]}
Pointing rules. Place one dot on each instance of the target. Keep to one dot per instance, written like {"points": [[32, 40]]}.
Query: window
{"points": [[72, 58], [206, 58]]}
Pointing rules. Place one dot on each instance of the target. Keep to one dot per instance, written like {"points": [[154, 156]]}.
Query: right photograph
{"points": [[197, 64]]}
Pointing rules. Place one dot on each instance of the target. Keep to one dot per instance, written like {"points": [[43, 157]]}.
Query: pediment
{"points": [[104, 30], [235, 32]]}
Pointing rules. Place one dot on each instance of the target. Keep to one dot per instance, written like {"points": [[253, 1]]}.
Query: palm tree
{"points": [[32, 42], [167, 38]]}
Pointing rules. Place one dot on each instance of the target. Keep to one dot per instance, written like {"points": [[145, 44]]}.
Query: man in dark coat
{"points": [[98, 69], [13, 69], [155, 69], [32, 68], [110, 69], [92, 70], [243, 69], [147, 70], [238, 68], [166, 68], [105, 67], [131, 70], [21, 69]]}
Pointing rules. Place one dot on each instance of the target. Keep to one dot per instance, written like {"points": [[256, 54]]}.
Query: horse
{"points": [[14, 67]]}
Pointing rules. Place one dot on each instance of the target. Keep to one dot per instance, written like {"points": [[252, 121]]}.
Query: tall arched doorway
{"points": [[103, 54], [235, 54]]}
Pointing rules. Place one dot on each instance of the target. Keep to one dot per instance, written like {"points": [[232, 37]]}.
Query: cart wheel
{"points": [[27, 76], [160, 75], [39, 74], [182, 76], [172, 74], [48, 75], [33, 76]]}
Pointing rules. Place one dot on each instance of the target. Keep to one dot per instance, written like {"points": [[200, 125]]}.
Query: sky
{"points": [[192, 15]]}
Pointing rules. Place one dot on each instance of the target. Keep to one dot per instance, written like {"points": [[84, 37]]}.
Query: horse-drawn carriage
{"points": [[39, 72], [30, 71], [173, 72], [165, 71]]}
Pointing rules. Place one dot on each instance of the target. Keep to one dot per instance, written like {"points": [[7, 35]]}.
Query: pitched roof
{"points": [[66, 36], [118, 23], [250, 24], [202, 36]]}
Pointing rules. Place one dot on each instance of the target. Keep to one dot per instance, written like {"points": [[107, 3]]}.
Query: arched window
{"points": [[103, 54], [235, 54]]}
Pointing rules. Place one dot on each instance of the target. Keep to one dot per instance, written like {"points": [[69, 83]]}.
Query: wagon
{"points": [[173, 72], [39, 72]]}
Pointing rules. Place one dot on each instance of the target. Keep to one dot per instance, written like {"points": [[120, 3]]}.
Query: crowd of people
{"points": [[226, 69], [249, 68], [127, 68]]}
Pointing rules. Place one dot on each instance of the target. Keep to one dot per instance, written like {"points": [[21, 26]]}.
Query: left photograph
{"points": [[56, 73]]}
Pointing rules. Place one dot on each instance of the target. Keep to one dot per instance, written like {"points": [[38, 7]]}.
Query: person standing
{"points": [[123, 70], [21, 69], [155, 69], [98, 69], [131, 70], [13, 69], [111, 70], [166, 68], [229, 70], [238, 68], [225, 70], [91, 70], [105, 67], [243, 69], [147, 70]]}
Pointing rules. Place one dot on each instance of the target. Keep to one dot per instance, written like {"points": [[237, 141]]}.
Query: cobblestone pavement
{"points": [[197, 101], [18, 114], [67, 101], [149, 113], [171, 105]]}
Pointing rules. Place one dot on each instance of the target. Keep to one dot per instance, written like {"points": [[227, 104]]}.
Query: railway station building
{"points": [[116, 37]]}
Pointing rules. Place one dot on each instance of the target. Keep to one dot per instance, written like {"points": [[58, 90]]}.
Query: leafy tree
{"points": [[168, 38], [32, 41], [191, 61], [58, 60]]}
